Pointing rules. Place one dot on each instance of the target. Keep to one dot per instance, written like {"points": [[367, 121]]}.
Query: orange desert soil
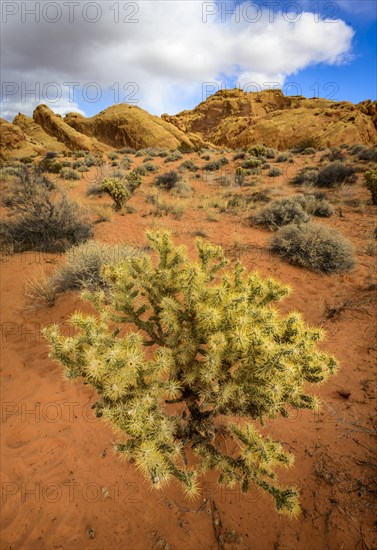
{"points": [[62, 486]]}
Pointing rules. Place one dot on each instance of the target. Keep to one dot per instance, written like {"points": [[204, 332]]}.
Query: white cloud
{"points": [[168, 53]]}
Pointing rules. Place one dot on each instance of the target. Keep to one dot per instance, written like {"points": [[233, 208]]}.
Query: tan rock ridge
{"points": [[127, 125], [37, 137], [234, 118], [55, 126]]}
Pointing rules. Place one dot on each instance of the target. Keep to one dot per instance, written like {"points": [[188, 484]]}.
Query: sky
{"points": [[167, 56]]}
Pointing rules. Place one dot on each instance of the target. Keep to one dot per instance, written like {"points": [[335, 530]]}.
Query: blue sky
{"points": [[166, 56]]}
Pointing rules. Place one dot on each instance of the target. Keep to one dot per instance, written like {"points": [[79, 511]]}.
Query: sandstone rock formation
{"points": [[234, 119], [127, 125], [36, 136], [14, 142], [229, 118], [55, 126]]}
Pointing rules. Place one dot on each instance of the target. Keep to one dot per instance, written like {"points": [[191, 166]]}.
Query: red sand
{"points": [[62, 488]]}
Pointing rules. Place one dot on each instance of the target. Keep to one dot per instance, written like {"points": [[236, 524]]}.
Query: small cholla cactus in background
{"points": [[371, 183], [223, 359], [115, 188]]}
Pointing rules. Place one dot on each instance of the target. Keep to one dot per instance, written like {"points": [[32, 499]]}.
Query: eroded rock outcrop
{"points": [[55, 126], [234, 118], [127, 125]]}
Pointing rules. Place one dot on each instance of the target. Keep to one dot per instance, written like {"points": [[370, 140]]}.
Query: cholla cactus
{"points": [[222, 359], [117, 191], [133, 181], [371, 183], [240, 175]]}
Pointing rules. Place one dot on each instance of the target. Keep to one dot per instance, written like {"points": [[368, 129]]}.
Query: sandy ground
{"points": [[62, 488]]}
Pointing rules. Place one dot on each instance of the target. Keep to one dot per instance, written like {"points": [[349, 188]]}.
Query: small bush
{"points": [[51, 155], [283, 157], [315, 247], [239, 155], [133, 181], [257, 151], [183, 189], [117, 191], [113, 155], [251, 162], [82, 268], [212, 166], [150, 167], [311, 142], [371, 184], [127, 150], [50, 166], [141, 170], [90, 160], [189, 165], [279, 213], [168, 180], [315, 205], [43, 220], [69, 174], [335, 174], [306, 176], [270, 153], [368, 154], [172, 157], [275, 171], [308, 151], [333, 155]]}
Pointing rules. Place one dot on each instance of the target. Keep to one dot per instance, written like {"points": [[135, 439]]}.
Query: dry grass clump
{"points": [[82, 270]]}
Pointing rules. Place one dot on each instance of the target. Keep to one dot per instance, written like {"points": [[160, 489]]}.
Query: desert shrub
{"points": [[127, 150], [279, 213], [189, 165], [240, 176], [270, 153], [112, 155], [315, 247], [333, 154], [368, 154], [283, 157], [257, 151], [307, 176], [116, 189], [133, 180], [90, 160], [168, 180], [82, 169], [212, 166], [51, 155], [308, 151], [275, 171], [221, 350], [141, 170], [251, 162], [239, 155], [125, 163], [314, 205], [42, 219], [80, 153], [205, 157], [183, 189], [310, 142], [173, 156], [163, 208], [150, 167], [69, 174], [83, 263], [371, 183], [335, 174], [50, 166]]}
